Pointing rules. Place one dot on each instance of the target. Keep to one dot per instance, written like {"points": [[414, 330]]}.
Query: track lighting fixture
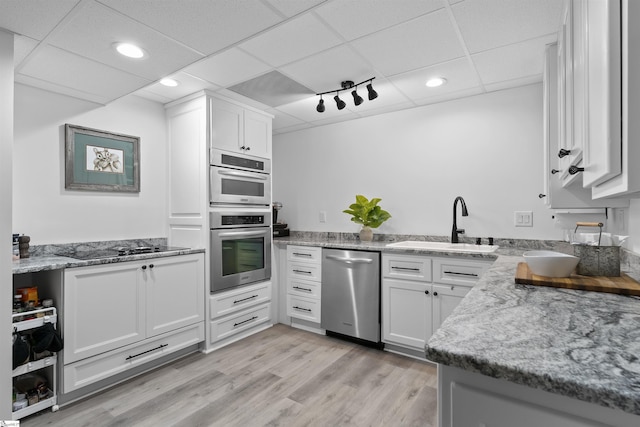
{"points": [[348, 84]]}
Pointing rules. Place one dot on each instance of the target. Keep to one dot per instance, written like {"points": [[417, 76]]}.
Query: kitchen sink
{"points": [[443, 246]]}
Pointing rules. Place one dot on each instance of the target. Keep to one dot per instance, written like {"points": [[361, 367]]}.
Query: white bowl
{"points": [[550, 263]]}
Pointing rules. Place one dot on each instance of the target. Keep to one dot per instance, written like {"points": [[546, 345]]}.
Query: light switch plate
{"points": [[523, 219]]}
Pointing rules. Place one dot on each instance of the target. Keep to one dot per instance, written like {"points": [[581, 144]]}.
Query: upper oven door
{"points": [[233, 186]]}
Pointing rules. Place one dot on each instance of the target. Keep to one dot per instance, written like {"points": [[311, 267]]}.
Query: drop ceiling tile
{"points": [[325, 71], [354, 19], [486, 24], [228, 68], [450, 96], [298, 38], [459, 73], [22, 46], [33, 18], [187, 85], [80, 74], [95, 28], [55, 88], [291, 8], [151, 96], [219, 24], [512, 62], [508, 84], [242, 99], [425, 41]]}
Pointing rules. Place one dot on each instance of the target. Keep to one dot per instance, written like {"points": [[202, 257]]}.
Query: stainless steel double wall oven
{"points": [[239, 220]]}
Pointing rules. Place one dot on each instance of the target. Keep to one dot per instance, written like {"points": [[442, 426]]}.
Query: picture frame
{"points": [[98, 160]]}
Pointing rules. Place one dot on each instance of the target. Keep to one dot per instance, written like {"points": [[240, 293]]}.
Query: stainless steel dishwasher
{"points": [[351, 294]]}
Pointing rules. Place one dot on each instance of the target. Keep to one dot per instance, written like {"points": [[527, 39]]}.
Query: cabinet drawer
{"points": [[303, 308], [300, 270], [458, 271], [304, 253], [305, 288], [407, 267], [230, 325], [229, 302], [96, 368]]}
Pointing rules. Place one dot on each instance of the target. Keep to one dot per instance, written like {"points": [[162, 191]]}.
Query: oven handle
{"points": [[258, 177], [242, 233]]}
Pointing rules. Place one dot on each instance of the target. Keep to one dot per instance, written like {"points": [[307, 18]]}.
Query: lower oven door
{"points": [[240, 256]]}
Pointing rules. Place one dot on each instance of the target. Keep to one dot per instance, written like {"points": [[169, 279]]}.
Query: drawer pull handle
{"points": [[461, 274], [302, 254], [302, 289], [148, 351], [302, 271], [405, 268], [245, 321], [245, 299], [301, 308]]}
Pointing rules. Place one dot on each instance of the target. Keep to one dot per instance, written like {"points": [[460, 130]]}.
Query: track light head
{"points": [[339, 102], [320, 107], [357, 99], [372, 93]]}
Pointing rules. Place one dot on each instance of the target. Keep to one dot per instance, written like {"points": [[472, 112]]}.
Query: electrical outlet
{"points": [[323, 216], [523, 218]]}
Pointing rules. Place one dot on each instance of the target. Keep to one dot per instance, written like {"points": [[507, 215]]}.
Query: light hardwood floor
{"points": [[279, 377]]}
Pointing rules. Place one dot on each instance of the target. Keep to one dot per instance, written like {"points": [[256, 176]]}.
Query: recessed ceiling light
{"points": [[436, 81], [169, 82], [129, 50]]}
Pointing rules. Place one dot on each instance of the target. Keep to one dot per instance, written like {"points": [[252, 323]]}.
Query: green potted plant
{"points": [[368, 214]]}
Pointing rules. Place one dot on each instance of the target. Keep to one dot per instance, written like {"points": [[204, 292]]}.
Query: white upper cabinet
{"points": [[604, 87], [612, 148], [241, 130]]}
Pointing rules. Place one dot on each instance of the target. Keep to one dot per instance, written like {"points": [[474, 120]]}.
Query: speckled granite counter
{"points": [[584, 345], [45, 257]]}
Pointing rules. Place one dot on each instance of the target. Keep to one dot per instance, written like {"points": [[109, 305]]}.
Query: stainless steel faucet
{"points": [[455, 231]]}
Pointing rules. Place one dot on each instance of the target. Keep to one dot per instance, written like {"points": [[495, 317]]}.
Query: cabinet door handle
{"points": [[405, 268], [245, 299], [575, 169], [426, 292], [248, 149], [302, 271], [302, 289], [148, 351], [457, 273], [150, 265], [540, 196], [301, 308], [554, 171], [435, 294], [562, 153], [144, 267], [245, 321], [302, 254]]}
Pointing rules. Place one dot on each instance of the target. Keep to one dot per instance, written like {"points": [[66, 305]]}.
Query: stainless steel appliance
{"points": [[239, 179], [351, 294], [240, 248], [280, 229]]}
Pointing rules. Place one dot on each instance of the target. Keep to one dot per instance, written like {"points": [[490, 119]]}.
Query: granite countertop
{"points": [[46, 262], [584, 345]]}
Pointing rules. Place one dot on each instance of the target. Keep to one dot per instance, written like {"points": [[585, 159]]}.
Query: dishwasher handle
{"points": [[350, 260]]}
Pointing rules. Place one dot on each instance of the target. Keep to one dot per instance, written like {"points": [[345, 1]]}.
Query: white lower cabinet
{"points": [[304, 286], [419, 293], [130, 307], [238, 313]]}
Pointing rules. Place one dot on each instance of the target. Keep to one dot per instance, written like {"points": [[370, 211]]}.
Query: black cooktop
{"points": [[87, 254]]}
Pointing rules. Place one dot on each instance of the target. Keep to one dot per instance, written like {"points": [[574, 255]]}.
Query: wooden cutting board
{"points": [[624, 284]]}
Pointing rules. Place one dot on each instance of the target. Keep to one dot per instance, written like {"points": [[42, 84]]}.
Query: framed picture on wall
{"points": [[97, 160]]}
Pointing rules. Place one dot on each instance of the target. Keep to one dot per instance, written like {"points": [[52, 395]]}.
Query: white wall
{"points": [[44, 210], [486, 148]]}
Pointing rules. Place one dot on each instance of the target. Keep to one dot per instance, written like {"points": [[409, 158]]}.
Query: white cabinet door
{"points": [[227, 126], [257, 134], [406, 313], [103, 309], [445, 299], [174, 292], [604, 148]]}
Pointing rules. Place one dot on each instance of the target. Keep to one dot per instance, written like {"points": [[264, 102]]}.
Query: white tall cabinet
{"points": [[196, 124]]}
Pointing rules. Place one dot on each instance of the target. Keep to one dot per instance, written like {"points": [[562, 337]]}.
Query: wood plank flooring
{"points": [[279, 377]]}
